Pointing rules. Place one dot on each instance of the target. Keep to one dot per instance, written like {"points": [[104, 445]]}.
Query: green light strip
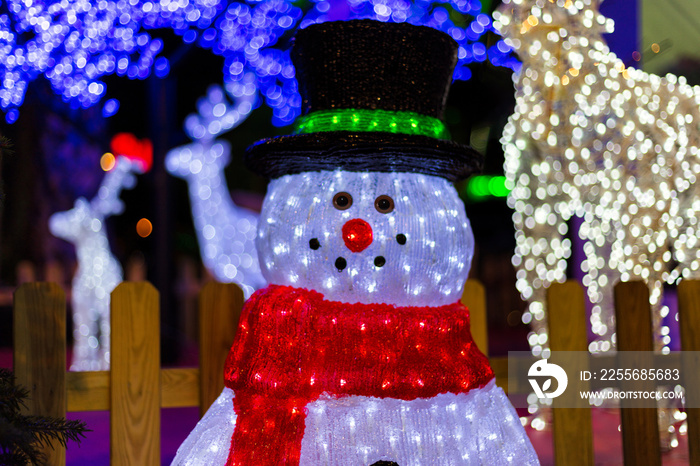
{"points": [[364, 120], [482, 187]]}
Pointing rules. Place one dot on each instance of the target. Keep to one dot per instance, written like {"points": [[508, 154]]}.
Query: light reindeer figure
{"points": [[614, 146], [226, 231], [98, 271]]}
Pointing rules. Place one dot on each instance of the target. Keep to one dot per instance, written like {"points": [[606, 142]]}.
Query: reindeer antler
{"points": [[106, 202], [216, 115], [132, 156]]}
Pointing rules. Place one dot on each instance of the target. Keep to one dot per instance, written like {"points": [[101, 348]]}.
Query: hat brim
{"points": [[361, 152]]}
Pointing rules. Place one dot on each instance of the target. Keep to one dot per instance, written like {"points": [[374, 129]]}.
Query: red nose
{"points": [[357, 234]]}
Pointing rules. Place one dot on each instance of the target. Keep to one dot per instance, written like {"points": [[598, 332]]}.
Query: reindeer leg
{"points": [[541, 253], [85, 331]]}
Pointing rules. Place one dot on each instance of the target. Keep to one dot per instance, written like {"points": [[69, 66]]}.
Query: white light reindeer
{"points": [[98, 271], [226, 231], [613, 145]]}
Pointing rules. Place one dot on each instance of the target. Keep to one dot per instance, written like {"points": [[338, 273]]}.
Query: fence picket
{"points": [[474, 297], [135, 379], [572, 427], [640, 429], [689, 323], [40, 354], [220, 307]]}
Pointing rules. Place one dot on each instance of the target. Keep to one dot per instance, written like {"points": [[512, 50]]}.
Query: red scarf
{"points": [[292, 346]]}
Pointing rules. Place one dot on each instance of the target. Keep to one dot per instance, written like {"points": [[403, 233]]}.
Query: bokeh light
{"points": [[107, 161], [144, 228]]}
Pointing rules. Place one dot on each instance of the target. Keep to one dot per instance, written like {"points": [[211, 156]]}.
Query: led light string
{"points": [[371, 120], [614, 146], [627, 168], [75, 44], [98, 271], [225, 231]]}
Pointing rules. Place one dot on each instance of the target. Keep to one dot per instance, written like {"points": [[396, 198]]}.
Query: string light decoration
{"points": [[615, 146], [225, 231], [75, 44], [357, 119], [98, 271], [483, 187], [359, 350]]}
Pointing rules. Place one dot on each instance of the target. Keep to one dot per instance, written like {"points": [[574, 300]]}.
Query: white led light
{"points": [[442, 257], [225, 231], [98, 270], [363, 430], [625, 170], [305, 247]]}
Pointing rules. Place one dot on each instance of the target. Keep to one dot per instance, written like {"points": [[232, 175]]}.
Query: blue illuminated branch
{"points": [[75, 44]]}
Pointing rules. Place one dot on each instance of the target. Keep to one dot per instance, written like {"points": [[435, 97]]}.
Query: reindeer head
{"points": [[216, 114], [576, 25], [87, 217], [73, 224], [199, 160]]}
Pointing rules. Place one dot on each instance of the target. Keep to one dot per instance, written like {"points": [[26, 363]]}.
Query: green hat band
{"points": [[366, 120]]}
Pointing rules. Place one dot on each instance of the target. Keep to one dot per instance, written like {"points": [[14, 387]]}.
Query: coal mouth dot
{"points": [[340, 264], [401, 238], [379, 261], [314, 244]]}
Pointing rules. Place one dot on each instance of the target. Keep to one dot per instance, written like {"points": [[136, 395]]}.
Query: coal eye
{"points": [[384, 204], [342, 201]]}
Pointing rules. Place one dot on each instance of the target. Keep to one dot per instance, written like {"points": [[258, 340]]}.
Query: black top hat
{"points": [[373, 100]]}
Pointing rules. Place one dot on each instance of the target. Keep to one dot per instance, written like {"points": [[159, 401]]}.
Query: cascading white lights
{"points": [[615, 146]]}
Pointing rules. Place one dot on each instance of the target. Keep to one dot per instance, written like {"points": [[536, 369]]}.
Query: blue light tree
{"points": [[75, 44]]}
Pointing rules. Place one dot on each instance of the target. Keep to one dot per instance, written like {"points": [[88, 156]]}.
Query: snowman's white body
{"points": [[429, 268]]}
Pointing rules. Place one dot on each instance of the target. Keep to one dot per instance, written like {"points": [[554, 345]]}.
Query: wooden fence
{"points": [[136, 387]]}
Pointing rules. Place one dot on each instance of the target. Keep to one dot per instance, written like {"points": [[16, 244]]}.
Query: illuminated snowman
{"points": [[358, 351]]}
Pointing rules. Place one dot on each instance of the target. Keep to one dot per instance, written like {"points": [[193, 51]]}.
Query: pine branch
{"points": [[17, 443], [5, 146], [45, 429], [22, 435], [15, 459], [11, 396]]}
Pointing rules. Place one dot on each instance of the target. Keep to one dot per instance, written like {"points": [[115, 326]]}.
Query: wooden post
{"points": [[474, 297], [135, 392], [689, 323], [572, 427], [220, 306], [40, 354], [640, 427]]}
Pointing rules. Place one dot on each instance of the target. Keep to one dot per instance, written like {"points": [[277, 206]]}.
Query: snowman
{"points": [[359, 351]]}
